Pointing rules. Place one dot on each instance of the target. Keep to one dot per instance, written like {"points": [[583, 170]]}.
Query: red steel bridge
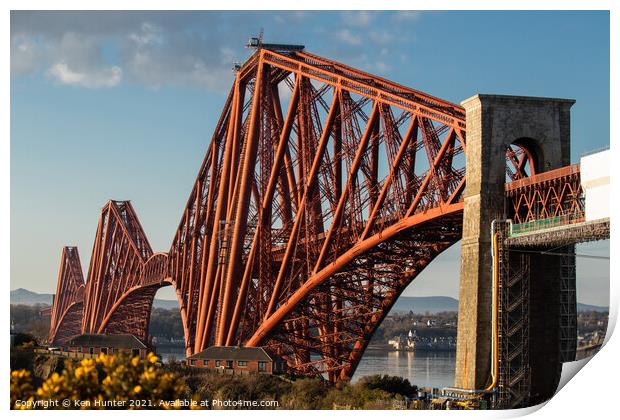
{"points": [[324, 192]]}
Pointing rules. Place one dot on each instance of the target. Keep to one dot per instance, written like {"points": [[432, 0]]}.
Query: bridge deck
{"points": [[562, 235]]}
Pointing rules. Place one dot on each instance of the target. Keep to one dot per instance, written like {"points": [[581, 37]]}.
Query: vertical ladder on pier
{"points": [[513, 387], [568, 305]]}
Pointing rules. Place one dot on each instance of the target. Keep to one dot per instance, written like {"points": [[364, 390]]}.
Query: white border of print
{"points": [[590, 394]]}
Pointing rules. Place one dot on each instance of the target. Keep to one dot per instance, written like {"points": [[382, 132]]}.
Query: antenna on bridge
{"points": [[257, 44]]}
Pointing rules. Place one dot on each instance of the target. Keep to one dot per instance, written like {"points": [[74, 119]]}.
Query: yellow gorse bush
{"points": [[107, 378], [21, 387]]}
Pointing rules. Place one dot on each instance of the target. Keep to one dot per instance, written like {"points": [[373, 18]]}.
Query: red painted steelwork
{"points": [[324, 192], [550, 194], [68, 304], [118, 295], [519, 162]]}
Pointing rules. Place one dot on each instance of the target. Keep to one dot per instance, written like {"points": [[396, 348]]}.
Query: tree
{"points": [[391, 384]]}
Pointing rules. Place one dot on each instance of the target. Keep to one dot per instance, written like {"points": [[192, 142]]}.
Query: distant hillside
{"points": [[165, 304], [585, 307], [434, 304], [26, 297], [419, 305]]}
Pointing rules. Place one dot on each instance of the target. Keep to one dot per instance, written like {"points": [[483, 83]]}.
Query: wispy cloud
{"points": [[149, 34], [348, 37], [154, 49], [77, 60], [382, 66], [94, 79], [357, 18], [151, 49], [25, 55], [409, 15], [381, 37]]}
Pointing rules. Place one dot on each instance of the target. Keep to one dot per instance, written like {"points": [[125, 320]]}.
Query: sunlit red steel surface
{"points": [[68, 305], [551, 194], [314, 208], [324, 192]]}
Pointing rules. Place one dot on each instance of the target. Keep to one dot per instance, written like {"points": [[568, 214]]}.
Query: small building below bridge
{"points": [[91, 345], [237, 360]]}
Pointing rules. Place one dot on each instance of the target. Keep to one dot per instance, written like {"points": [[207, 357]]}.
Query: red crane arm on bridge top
{"points": [[309, 216]]}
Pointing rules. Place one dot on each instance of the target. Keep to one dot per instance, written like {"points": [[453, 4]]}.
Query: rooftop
{"points": [[234, 353], [120, 341]]}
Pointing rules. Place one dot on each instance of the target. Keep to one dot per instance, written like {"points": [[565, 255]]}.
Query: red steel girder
{"points": [[324, 191], [68, 304], [118, 288], [298, 182], [552, 194]]}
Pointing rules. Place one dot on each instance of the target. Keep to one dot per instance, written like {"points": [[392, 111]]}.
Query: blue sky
{"points": [[122, 105]]}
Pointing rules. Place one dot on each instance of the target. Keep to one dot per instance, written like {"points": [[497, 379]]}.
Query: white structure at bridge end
{"points": [[594, 170]]}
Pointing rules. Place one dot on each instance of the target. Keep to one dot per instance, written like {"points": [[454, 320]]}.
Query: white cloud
{"points": [[382, 67], [24, 55], [80, 51], [348, 37], [103, 49], [76, 59], [149, 34], [156, 51], [100, 78], [178, 65], [357, 18], [381, 37], [299, 15], [407, 15]]}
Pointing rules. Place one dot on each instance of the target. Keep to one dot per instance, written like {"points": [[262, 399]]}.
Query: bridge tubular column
{"points": [[493, 123], [513, 385], [293, 238], [68, 303], [568, 305]]}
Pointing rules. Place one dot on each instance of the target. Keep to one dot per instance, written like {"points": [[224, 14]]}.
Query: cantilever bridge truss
{"points": [[323, 193]]}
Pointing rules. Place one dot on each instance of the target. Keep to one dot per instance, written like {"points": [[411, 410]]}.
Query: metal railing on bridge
{"points": [[545, 200], [544, 224]]}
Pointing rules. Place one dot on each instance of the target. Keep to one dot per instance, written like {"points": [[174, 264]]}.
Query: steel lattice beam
{"points": [[311, 213], [324, 192], [68, 304], [551, 194], [301, 191]]}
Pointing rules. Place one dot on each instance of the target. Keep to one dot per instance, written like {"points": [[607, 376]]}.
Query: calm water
{"points": [[433, 369], [171, 353]]}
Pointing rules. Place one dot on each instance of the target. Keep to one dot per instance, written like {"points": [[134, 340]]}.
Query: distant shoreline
{"points": [[372, 348], [403, 305]]}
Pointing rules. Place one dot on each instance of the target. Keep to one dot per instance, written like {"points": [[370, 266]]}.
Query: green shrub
{"points": [[305, 394], [394, 385], [24, 340]]}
